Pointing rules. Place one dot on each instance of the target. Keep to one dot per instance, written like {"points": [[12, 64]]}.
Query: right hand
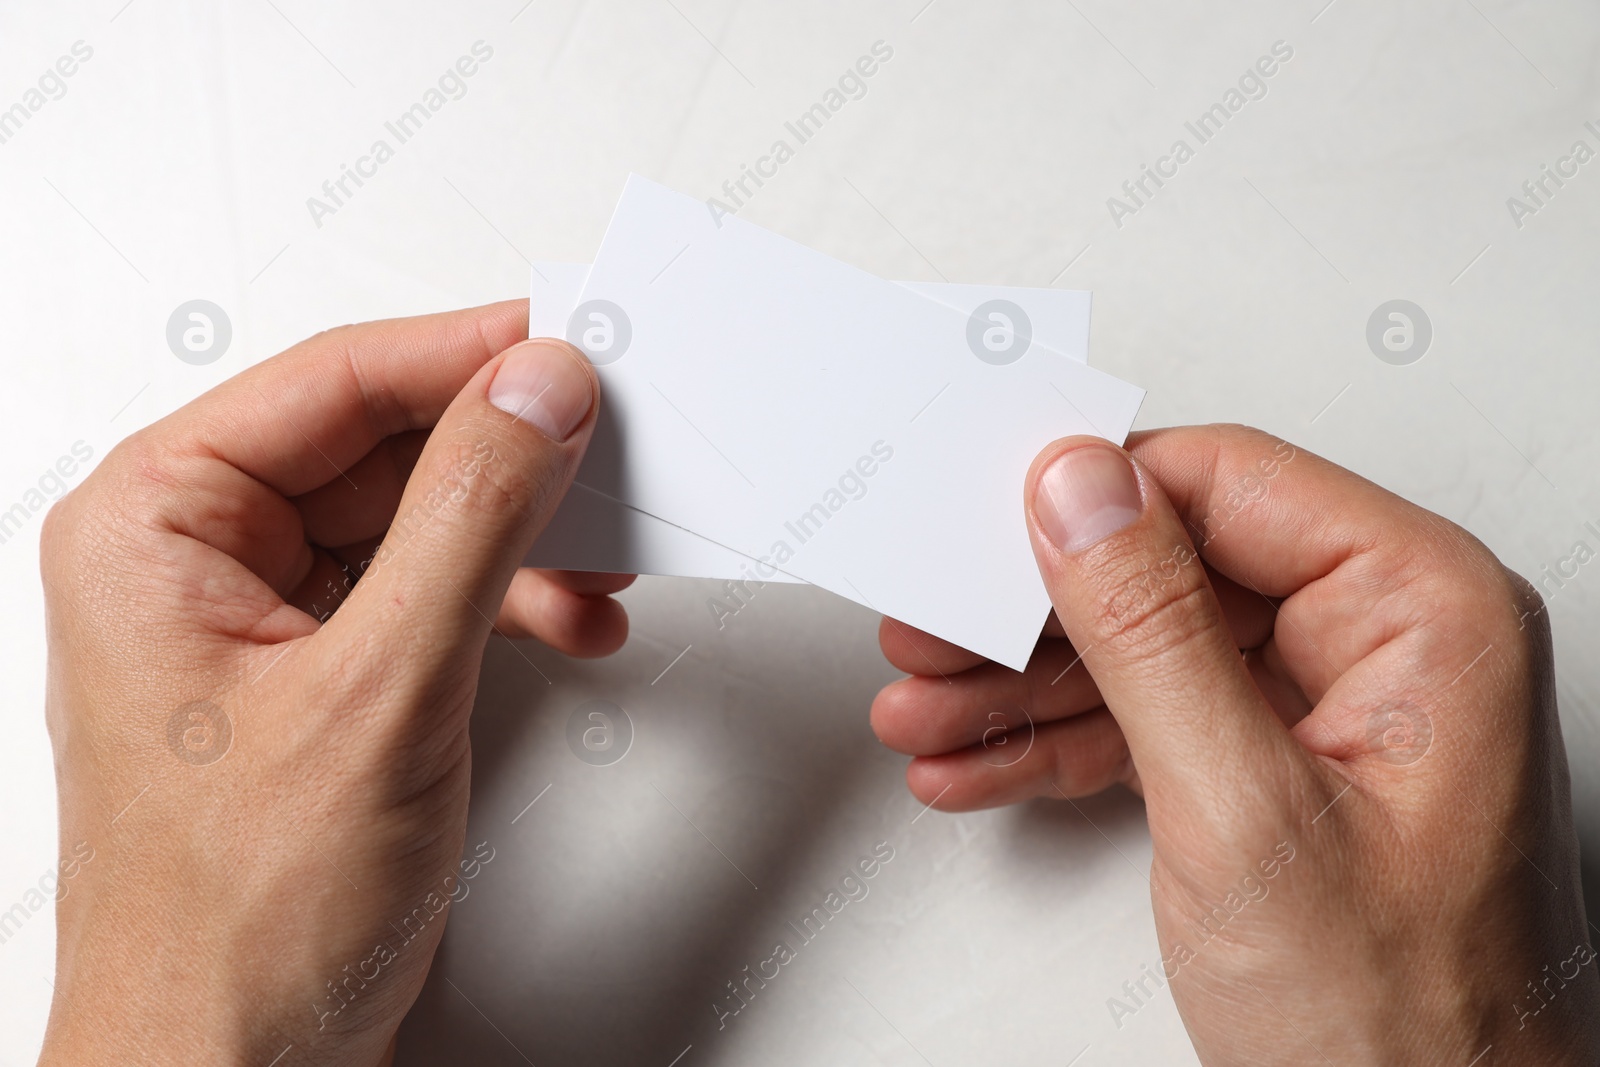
{"points": [[1341, 711]]}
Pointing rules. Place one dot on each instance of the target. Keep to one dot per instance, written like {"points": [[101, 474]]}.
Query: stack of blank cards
{"points": [[773, 414]]}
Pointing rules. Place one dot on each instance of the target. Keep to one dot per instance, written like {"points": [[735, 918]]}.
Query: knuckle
{"points": [[1448, 568], [1450, 588], [467, 476], [67, 548], [1249, 439], [108, 507], [502, 487], [141, 460], [476, 480], [335, 338], [1156, 609], [57, 536], [1524, 632]]}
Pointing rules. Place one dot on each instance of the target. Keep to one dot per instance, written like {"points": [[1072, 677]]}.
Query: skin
{"points": [[202, 562], [1340, 710], [268, 762]]}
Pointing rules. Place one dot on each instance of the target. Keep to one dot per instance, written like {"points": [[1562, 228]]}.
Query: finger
{"points": [[915, 652], [589, 583], [324, 587], [1128, 586], [1281, 522], [1250, 616], [923, 716], [1273, 679], [298, 420], [1076, 757], [1375, 590], [361, 504], [1270, 516], [219, 469], [356, 556], [573, 623], [493, 472], [219, 506]]}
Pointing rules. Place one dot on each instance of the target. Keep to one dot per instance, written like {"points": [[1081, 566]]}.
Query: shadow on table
{"points": [[593, 942]]}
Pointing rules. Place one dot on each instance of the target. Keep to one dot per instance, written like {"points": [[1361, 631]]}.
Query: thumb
{"points": [[1134, 597], [492, 473]]}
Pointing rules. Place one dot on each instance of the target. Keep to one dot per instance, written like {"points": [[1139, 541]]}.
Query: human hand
{"points": [[1341, 711], [274, 792]]}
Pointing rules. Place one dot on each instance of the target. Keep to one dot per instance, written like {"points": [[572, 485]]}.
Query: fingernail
{"points": [[541, 383], [1086, 495]]}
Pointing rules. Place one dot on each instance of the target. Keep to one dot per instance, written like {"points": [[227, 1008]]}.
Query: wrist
{"points": [[149, 1018], [161, 1009]]}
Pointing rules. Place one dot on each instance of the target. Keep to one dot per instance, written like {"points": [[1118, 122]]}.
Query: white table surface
{"points": [[177, 165]]}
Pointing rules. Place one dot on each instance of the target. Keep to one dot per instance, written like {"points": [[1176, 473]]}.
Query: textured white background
{"points": [[178, 165]]}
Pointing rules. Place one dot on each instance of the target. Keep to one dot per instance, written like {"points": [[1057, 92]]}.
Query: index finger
{"points": [[1269, 515], [1337, 548], [302, 418]]}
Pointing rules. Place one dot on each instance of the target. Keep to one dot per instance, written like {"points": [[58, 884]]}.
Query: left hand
{"points": [[265, 759]]}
